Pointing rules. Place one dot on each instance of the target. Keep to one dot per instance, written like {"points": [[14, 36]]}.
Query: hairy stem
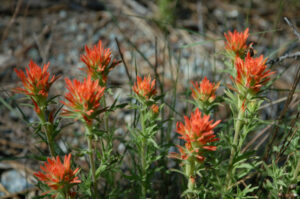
{"points": [[105, 115], [297, 169], [47, 130], [143, 158], [237, 128], [190, 173], [91, 157]]}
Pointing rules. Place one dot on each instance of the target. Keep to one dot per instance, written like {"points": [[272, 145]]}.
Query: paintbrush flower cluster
{"points": [[236, 42], [204, 94], [83, 99], [252, 73], [36, 84], [197, 132], [204, 91], [144, 88], [99, 62], [59, 176]]}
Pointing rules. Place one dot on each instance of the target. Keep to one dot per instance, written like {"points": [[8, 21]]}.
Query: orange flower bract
{"points": [[83, 99], [155, 108], [98, 62], [236, 41], [197, 131], [144, 87], [205, 90], [57, 175], [252, 73], [36, 83]]}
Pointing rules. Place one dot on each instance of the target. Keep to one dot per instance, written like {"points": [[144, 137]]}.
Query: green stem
{"points": [[297, 169], [143, 158], [91, 157], [190, 173], [48, 131], [206, 110], [105, 115], [237, 128], [65, 193]]}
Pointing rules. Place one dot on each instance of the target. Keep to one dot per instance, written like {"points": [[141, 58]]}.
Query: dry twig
{"points": [[293, 27], [258, 135], [12, 20], [295, 55], [283, 112], [123, 60]]}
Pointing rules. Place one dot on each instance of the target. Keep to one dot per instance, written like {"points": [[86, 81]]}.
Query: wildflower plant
{"points": [[37, 84], [98, 63], [83, 102], [143, 136], [244, 98], [198, 134]]}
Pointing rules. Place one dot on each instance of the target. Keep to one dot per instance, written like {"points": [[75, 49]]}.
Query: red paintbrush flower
{"points": [[197, 132], [144, 87], [155, 108], [83, 99], [204, 91], [252, 73], [58, 176], [98, 62], [236, 42], [36, 83]]}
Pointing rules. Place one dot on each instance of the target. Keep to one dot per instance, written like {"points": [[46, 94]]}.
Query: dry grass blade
{"points": [[295, 55], [4, 190], [258, 135], [293, 27], [124, 62], [288, 138], [16, 195], [12, 20], [273, 103], [283, 112]]}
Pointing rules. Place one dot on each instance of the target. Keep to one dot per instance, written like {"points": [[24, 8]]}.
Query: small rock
{"points": [[128, 119], [121, 148], [119, 131], [14, 182], [82, 26], [14, 115], [233, 14], [3, 59], [62, 14], [61, 57], [171, 164], [80, 38], [73, 27], [218, 13], [33, 53], [62, 146]]}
